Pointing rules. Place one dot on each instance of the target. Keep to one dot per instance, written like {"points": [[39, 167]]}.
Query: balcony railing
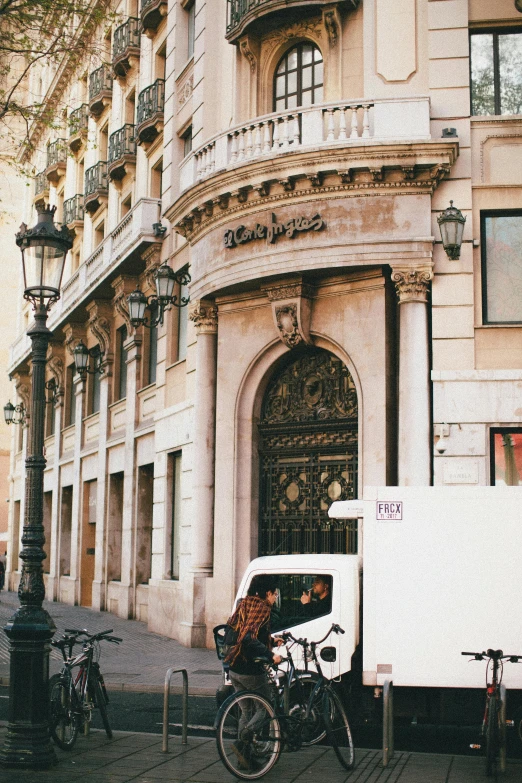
{"points": [[122, 142], [100, 89], [350, 123], [125, 45], [241, 13], [56, 152], [96, 178], [152, 12], [79, 120], [151, 102], [122, 151], [73, 209]]}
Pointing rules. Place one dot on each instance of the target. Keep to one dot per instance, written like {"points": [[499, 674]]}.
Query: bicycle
{"points": [[79, 688], [252, 731], [493, 726]]}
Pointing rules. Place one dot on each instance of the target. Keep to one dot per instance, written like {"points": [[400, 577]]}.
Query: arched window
{"points": [[298, 79]]}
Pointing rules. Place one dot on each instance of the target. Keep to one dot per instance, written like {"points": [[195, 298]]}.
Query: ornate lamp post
{"points": [[164, 278], [30, 629]]}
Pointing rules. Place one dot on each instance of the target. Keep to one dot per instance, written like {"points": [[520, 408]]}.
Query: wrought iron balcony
{"points": [[56, 160], [126, 46], [122, 152], [152, 12], [78, 125], [96, 186], [151, 101], [41, 187], [73, 210], [100, 90], [241, 14]]}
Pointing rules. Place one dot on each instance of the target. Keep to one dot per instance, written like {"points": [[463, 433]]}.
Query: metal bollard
{"points": [[184, 718], [387, 724]]}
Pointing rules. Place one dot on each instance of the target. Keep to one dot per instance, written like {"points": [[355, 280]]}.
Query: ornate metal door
{"points": [[308, 456]]}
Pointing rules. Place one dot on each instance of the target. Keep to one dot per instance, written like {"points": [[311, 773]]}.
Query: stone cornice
{"points": [[362, 170]]}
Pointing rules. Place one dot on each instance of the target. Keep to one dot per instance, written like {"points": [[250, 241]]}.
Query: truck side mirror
{"points": [[328, 654]]}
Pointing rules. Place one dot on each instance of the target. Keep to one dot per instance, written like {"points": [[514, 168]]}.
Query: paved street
{"points": [[139, 663], [139, 758]]}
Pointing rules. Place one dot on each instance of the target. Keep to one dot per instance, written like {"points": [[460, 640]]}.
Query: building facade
{"points": [[293, 158]]}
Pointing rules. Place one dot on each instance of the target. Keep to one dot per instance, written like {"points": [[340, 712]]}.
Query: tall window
{"points": [[501, 242], [496, 72], [174, 473], [153, 350], [506, 457], [191, 28], [122, 363], [187, 141], [298, 80]]}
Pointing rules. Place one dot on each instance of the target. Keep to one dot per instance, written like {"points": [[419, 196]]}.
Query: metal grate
{"points": [[151, 101], [122, 142], [125, 36]]}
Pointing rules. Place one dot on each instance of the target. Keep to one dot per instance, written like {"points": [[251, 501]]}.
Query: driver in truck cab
{"points": [[321, 592]]}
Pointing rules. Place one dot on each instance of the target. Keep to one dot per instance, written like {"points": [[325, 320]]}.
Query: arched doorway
{"points": [[308, 438]]}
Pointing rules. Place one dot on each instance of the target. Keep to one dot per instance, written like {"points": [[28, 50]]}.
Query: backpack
{"points": [[224, 638]]}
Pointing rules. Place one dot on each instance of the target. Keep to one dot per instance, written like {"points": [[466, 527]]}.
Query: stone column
{"points": [[412, 285], [100, 324], [204, 315]]}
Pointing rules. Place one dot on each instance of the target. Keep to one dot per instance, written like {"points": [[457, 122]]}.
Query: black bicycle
{"points": [[79, 688], [493, 732], [251, 731]]}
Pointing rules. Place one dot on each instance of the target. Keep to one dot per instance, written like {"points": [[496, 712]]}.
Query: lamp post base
{"points": [[27, 743]]}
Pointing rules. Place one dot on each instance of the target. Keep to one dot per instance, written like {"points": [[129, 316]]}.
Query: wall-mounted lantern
{"points": [[164, 278], [451, 223]]}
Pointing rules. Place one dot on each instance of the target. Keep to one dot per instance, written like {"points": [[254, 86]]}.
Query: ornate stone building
{"points": [[298, 155]]}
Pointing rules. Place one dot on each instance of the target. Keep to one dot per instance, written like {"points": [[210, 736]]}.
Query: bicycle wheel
{"points": [[248, 735], [338, 729], [492, 738], [63, 719], [101, 703], [313, 730]]}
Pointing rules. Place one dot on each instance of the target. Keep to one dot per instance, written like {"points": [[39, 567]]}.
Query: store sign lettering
{"points": [[242, 235]]}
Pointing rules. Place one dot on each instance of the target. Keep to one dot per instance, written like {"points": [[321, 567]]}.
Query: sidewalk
{"points": [[139, 663], [139, 758]]}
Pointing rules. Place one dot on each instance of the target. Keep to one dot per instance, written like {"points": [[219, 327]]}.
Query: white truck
{"points": [[438, 571]]}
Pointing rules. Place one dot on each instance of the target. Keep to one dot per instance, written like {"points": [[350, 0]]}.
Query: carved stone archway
{"points": [[308, 436]]}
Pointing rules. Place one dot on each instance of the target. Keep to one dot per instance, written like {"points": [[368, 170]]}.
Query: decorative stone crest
{"points": [[99, 325], [74, 332], [185, 92], [291, 310], [412, 283], [205, 316], [23, 392], [332, 24], [152, 258], [56, 370], [246, 49]]}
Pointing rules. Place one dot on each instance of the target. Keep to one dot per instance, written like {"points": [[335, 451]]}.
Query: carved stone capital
{"points": [[248, 50], [100, 326], [55, 368], [205, 316], [123, 286], [332, 24], [152, 258], [291, 310], [412, 283], [23, 392], [74, 332]]}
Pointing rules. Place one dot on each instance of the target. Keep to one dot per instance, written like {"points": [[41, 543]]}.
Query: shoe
{"points": [[241, 752]]}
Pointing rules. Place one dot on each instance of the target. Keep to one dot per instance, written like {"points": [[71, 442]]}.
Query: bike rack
{"points": [[502, 721], [387, 723], [184, 719]]}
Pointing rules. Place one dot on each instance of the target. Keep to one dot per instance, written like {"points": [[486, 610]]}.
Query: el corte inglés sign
{"points": [[289, 228]]}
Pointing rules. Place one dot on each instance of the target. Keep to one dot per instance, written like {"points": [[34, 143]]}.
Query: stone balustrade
{"points": [[346, 123]]}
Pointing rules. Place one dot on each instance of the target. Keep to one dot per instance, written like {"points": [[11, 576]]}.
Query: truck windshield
{"points": [[302, 597]]}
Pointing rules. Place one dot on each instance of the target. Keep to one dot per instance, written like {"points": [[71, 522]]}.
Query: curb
{"points": [[176, 690]]}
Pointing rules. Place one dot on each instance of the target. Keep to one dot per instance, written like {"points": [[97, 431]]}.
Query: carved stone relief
{"points": [[412, 283], [205, 316], [123, 286]]}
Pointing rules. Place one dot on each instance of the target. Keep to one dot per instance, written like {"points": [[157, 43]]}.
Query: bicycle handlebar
{"points": [[497, 655], [288, 636]]}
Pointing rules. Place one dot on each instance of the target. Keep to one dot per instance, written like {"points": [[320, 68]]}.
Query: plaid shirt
{"points": [[251, 614]]}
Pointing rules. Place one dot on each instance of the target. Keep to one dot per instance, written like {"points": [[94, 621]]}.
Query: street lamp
{"points": [[164, 279], [9, 413], [451, 223], [82, 354], [27, 742]]}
